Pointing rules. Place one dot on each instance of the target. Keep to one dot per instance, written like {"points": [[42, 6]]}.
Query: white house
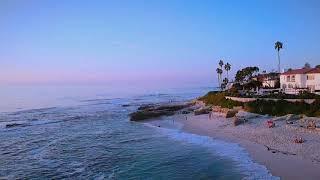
{"points": [[297, 80], [268, 80], [313, 80]]}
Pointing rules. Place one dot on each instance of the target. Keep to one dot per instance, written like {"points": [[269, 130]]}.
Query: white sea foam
{"points": [[232, 151]]}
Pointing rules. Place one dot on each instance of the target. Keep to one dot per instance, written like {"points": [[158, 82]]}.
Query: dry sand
{"points": [[285, 159]]}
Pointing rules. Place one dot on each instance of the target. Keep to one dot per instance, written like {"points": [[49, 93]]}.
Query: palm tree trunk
{"points": [[219, 80], [279, 61]]}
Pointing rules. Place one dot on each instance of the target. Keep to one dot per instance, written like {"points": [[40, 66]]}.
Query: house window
{"points": [[310, 77], [284, 86], [311, 87], [293, 78], [288, 78], [290, 86]]}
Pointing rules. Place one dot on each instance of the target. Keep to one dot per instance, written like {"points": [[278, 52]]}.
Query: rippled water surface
{"points": [[94, 139]]}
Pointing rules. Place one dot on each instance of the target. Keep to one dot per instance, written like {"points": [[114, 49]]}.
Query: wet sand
{"points": [[284, 159]]}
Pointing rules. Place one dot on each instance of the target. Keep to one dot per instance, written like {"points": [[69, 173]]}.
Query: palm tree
{"points": [[225, 83], [221, 64], [307, 65], [278, 45], [227, 67], [219, 72]]}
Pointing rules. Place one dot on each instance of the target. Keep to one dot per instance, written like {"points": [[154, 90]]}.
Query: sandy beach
{"points": [[271, 147]]}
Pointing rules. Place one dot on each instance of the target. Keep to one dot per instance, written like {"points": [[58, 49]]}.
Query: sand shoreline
{"points": [[254, 137]]}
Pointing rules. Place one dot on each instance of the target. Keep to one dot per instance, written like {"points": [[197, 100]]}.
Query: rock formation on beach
{"points": [[154, 110]]}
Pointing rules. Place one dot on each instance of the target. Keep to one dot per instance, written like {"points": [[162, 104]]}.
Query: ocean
{"points": [[85, 133]]}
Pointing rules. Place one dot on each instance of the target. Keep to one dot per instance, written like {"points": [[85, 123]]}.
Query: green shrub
{"points": [[275, 108], [282, 107], [302, 95], [218, 99]]}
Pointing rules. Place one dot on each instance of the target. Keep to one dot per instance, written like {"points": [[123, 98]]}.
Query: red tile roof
{"points": [[297, 71], [314, 71]]}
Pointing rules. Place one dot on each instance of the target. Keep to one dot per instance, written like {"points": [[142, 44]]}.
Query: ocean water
{"points": [[87, 135]]}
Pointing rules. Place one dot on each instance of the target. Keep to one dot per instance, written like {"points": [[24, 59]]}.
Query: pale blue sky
{"points": [[150, 41]]}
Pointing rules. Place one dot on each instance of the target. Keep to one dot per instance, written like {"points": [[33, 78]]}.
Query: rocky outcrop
{"points": [[289, 118], [202, 110], [309, 122], [239, 120], [246, 115], [225, 112], [231, 113], [143, 115], [15, 125], [292, 118], [152, 111]]}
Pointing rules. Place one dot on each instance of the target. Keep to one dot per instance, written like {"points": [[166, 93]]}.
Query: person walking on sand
{"points": [[210, 115]]}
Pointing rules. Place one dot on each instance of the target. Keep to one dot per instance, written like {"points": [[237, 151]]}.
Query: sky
{"points": [[176, 41]]}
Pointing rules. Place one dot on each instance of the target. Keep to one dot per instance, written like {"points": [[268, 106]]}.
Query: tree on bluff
{"points": [[245, 75]]}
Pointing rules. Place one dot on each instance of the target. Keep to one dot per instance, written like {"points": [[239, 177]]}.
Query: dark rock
{"points": [[237, 121], [203, 110], [143, 115], [231, 113], [152, 111], [171, 107], [185, 112], [311, 125], [144, 107], [125, 105], [14, 125], [75, 118]]}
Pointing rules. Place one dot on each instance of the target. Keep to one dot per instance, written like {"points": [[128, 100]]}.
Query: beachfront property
{"points": [[269, 80], [298, 80]]}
